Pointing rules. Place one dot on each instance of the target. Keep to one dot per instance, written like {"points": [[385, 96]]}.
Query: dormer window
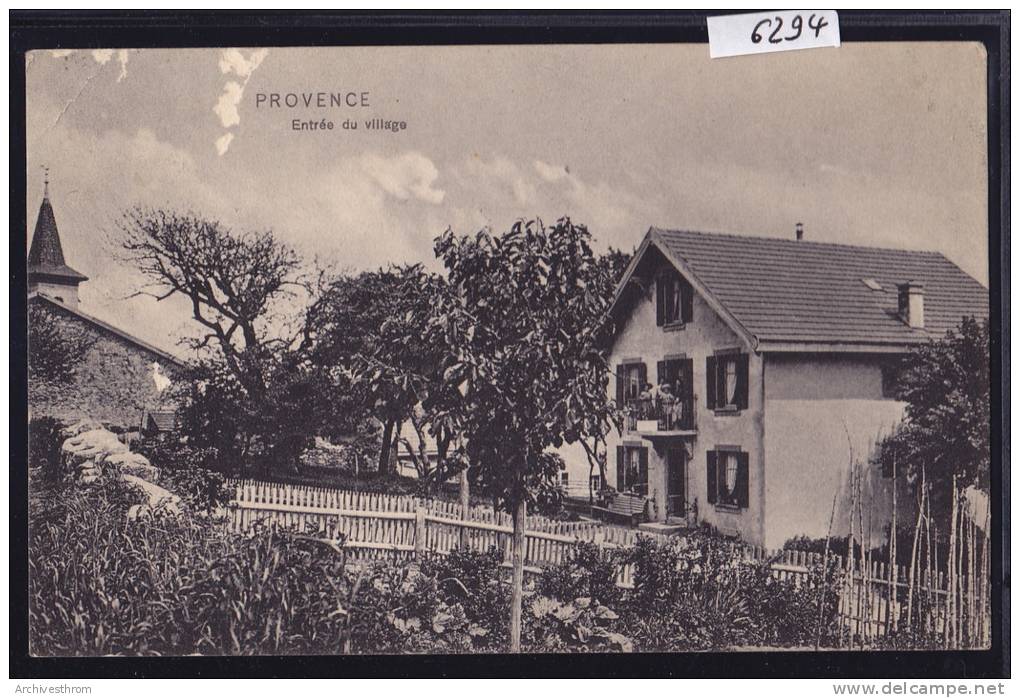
{"points": [[674, 300]]}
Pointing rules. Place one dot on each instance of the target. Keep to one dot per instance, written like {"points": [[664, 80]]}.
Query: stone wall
{"points": [[114, 385], [89, 449]]}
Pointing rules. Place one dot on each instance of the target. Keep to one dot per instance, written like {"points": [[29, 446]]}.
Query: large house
{"points": [[753, 370], [122, 380]]}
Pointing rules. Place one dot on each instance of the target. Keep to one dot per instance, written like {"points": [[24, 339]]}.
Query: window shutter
{"points": [[620, 465], [687, 301], [710, 382], [660, 301], [687, 376], [742, 480], [643, 465], [661, 373], [742, 381], [642, 377], [713, 488], [620, 384]]}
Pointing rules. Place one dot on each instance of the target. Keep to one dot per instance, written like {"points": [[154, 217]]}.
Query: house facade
{"points": [[753, 371], [122, 379]]}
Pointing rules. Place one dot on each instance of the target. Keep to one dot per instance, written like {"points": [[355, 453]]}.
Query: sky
{"points": [[870, 143]]}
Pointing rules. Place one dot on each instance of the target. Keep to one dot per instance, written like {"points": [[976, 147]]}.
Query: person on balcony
{"points": [[646, 402]]}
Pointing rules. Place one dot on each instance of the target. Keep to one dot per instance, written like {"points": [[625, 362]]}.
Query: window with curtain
{"points": [[730, 381], [728, 478], [674, 300], [727, 375]]}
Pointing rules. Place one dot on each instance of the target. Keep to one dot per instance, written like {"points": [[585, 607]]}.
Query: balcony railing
{"points": [[659, 414]]}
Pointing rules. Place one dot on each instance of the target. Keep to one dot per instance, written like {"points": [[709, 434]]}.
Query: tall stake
{"points": [[986, 577], [870, 560], [913, 553], [850, 552], [825, 572], [864, 569], [465, 508], [928, 622], [949, 634], [970, 580], [893, 614]]}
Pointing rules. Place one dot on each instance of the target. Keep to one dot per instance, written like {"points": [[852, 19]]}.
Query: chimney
{"points": [[911, 303], [800, 231]]}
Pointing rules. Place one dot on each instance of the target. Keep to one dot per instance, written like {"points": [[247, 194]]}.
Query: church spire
{"points": [[48, 273]]}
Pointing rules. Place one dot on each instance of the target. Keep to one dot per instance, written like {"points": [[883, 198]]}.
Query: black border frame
{"points": [[168, 29]]}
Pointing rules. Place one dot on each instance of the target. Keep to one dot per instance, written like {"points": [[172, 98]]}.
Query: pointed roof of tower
{"points": [[46, 256]]}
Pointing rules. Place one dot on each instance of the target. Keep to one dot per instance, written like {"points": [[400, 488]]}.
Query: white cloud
{"points": [[102, 56], [497, 191], [232, 60], [122, 58], [405, 176], [223, 142], [226, 107], [550, 173]]}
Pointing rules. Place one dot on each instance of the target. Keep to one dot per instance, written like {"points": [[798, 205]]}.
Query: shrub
{"points": [[590, 572], [174, 454], [698, 592], [580, 625], [44, 441], [201, 489], [477, 582], [173, 585], [100, 584]]}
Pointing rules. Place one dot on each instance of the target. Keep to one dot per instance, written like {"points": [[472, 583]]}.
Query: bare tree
{"points": [[249, 293]]}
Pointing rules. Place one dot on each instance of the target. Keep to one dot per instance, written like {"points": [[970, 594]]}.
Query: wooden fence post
{"points": [[419, 532]]}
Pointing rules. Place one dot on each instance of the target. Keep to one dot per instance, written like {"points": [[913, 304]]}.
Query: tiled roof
{"points": [[46, 255], [36, 297], [798, 291]]}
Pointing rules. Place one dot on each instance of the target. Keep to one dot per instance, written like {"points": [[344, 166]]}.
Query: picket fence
{"points": [[375, 526], [379, 525]]}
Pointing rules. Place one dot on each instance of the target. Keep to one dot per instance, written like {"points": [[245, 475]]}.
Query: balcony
{"points": [[661, 416]]}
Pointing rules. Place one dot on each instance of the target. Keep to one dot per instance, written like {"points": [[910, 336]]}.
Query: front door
{"points": [[676, 482]]}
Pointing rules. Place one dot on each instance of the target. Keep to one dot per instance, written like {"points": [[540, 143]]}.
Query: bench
{"points": [[627, 506]]}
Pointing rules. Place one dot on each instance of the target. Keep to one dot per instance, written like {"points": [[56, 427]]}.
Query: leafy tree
{"points": [[596, 417], [243, 287], [373, 326], [519, 313], [946, 428], [55, 348]]}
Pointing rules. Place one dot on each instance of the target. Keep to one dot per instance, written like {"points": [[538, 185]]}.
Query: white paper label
{"points": [[765, 32]]}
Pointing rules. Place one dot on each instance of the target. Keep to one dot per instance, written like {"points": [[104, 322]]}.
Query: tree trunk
{"points": [[517, 586], [385, 448]]}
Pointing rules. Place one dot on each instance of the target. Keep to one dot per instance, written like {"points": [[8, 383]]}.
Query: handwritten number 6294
{"points": [[797, 24]]}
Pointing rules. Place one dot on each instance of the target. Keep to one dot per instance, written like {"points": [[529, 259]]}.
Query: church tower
{"points": [[48, 274]]}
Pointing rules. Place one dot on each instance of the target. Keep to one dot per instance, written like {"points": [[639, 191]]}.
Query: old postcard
{"points": [[509, 348]]}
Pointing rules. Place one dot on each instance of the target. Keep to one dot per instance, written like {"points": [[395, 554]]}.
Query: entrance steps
{"points": [[663, 529]]}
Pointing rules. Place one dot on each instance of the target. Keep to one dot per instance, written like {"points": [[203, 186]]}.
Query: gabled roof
{"points": [[790, 294], [159, 353], [161, 420], [46, 255]]}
